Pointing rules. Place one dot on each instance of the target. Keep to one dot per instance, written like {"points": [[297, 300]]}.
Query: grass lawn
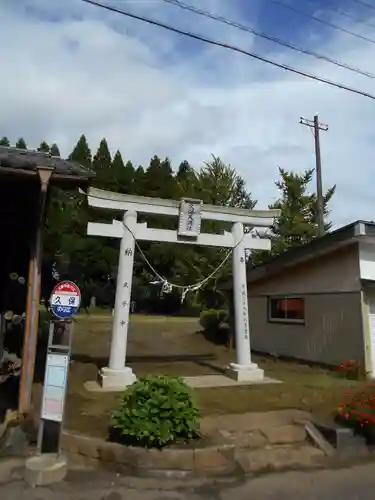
{"points": [[175, 346]]}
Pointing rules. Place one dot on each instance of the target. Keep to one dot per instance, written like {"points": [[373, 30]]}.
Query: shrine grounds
{"points": [[177, 346]]}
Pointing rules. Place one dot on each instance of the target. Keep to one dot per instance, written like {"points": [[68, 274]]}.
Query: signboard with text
{"points": [[190, 218], [55, 382], [65, 300]]}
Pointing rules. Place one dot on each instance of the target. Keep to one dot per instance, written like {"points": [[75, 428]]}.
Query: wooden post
{"points": [[32, 302]]}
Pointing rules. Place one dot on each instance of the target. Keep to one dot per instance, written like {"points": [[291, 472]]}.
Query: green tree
{"points": [[297, 223], [101, 165], [44, 147], [21, 144], [126, 179], [158, 179], [55, 150], [186, 180], [81, 153], [67, 220], [184, 170], [4, 141], [219, 184], [122, 175], [139, 181]]}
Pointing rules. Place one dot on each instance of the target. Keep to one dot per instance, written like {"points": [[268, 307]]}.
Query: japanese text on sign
{"points": [[190, 218], [245, 311], [55, 386], [65, 299]]}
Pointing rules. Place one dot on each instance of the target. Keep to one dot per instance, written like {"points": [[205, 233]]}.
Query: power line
{"points": [[344, 14], [321, 21], [365, 4], [231, 47], [279, 41]]}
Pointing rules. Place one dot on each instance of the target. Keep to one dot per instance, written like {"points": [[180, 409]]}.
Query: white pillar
{"points": [[243, 369], [117, 376]]}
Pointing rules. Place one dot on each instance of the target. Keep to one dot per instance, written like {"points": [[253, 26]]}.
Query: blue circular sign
{"points": [[65, 300]]}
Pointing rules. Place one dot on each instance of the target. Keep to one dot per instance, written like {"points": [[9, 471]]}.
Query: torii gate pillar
{"points": [[243, 370], [118, 375]]}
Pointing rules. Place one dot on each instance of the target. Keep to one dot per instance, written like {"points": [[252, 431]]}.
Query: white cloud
{"points": [[69, 68]]}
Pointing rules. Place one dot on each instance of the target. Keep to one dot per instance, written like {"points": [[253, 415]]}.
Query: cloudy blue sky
{"points": [[69, 68]]}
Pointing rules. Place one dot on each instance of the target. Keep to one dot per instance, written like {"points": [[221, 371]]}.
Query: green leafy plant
{"points": [[211, 319], [155, 411]]}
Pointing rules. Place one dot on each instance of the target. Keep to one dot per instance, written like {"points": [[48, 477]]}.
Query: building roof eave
{"points": [[19, 162], [330, 242]]}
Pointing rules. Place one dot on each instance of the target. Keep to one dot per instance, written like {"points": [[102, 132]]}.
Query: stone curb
{"points": [[211, 460], [218, 460]]}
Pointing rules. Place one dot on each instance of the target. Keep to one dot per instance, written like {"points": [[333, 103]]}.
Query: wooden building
{"points": [[317, 302], [25, 181]]}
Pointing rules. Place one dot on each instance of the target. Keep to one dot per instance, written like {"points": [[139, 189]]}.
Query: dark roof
{"points": [[325, 244], [23, 161]]}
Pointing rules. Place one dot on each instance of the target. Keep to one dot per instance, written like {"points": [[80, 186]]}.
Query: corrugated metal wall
{"points": [[332, 332]]}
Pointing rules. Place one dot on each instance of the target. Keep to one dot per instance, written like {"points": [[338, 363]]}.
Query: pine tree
{"points": [[127, 179], [159, 180], [101, 164], [152, 180], [297, 223], [4, 141], [123, 175], [44, 147], [184, 170], [55, 150], [139, 181], [81, 153], [67, 215], [21, 144], [186, 180], [219, 184]]}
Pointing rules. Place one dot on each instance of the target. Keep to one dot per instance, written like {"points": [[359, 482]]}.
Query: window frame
{"points": [[287, 321]]}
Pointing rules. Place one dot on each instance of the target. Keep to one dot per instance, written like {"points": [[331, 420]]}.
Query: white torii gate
{"points": [[190, 212]]}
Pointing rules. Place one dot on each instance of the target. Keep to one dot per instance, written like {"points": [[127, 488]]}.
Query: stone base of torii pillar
{"points": [[247, 373], [115, 380]]}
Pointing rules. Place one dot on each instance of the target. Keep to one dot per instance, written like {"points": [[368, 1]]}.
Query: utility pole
{"points": [[316, 128]]}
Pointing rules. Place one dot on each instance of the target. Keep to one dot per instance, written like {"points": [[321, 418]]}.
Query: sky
{"points": [[69, 68]]}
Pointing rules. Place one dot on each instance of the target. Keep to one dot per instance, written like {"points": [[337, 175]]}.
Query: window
{"points": [[286, 309]]}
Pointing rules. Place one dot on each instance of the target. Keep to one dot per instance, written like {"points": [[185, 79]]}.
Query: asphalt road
{"points": [[356, 483]]}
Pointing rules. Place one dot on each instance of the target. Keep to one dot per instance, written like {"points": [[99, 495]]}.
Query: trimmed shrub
{"points": [[155, 411], [211, 319]]}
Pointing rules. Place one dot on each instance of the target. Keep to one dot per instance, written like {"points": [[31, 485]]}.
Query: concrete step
{"points": [[265, 436], [278, 458]]}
